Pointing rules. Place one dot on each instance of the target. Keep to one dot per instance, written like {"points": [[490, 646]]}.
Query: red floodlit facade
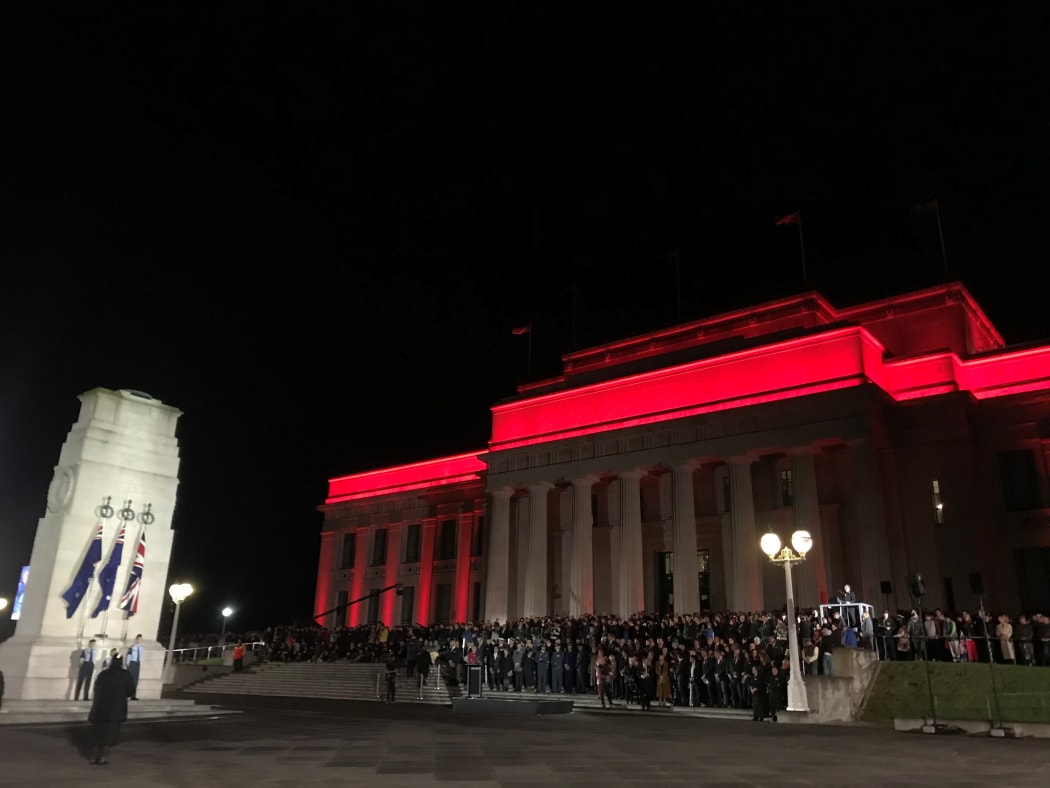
{"points": [[904, 434]]}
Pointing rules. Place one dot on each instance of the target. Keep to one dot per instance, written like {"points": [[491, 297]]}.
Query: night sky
{"points": [[312, 230]]}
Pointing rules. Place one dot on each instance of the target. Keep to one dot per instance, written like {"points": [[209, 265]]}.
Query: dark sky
{"points": [[312, 229]]}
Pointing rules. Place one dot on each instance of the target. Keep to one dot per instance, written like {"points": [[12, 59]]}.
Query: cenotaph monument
{"points": [[100, 557]]}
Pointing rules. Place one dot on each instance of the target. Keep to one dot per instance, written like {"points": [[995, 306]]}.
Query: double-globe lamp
{"points": [[179, 592], [801, 543], [226, 613]]}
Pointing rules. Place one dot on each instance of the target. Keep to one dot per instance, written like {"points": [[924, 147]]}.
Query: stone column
{"points": [[122, 447], [357, 586], [325, 569], [388, 605], [462, 595], [813, 573], [536, 567], [747, 574], [686, 586], [868, 525], [497, 573], [581, 571], [632, 589], [428, 535]]}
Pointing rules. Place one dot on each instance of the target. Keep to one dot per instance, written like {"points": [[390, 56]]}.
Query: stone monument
{"points": [[117, 474]]}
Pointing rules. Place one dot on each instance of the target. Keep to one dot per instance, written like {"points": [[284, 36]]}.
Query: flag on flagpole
{"points": [[79, 587], [796, 219], [107, 575], [519, 331], [925, 207], [130, 601]]}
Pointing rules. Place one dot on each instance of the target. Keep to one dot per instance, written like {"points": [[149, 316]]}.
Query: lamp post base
{"points": [[797, 700]]}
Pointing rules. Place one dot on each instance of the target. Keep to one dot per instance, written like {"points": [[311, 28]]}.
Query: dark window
{"points": [[379, 548], [347, 553], [342, 613], [787, 488], [727, 494], [949, 595], [477, 538], [408, 604], [444, 603], [373, 608], [447, 542], [1020, 480], [477, 602], [412, 544]]}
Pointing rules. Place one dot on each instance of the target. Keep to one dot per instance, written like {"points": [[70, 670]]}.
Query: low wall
{"points": [[840, 696]]}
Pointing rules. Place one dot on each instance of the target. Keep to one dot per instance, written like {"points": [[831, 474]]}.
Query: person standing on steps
{"points": [[86, 670], [391, 679]]}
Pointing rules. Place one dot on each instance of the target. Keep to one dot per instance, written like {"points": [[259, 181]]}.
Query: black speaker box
{"points": [[886, 586], [916, 586]]}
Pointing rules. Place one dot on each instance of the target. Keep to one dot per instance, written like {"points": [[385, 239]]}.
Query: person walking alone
{"points": [[110, 708]]}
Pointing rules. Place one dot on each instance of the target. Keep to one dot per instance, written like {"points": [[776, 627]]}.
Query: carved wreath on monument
{"points": [[60, 492]]}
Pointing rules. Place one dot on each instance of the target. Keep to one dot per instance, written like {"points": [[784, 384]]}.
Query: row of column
{"points": [[741, 553], [424, 583]]}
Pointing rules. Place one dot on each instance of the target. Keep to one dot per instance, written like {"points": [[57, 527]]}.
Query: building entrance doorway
{"points": [[665, 581]]}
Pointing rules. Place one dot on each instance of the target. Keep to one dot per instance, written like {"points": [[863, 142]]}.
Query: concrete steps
{"points": [[358, 681], [23, 712], [338, 680]]}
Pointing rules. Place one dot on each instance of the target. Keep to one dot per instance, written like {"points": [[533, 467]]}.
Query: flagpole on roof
{"points": [[802, 248], [796, 218], [940, 233], [519, 331], [677, 282]]}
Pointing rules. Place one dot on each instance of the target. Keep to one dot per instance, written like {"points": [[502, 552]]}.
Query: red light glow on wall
{"points": [[459, 468], [831, 360]]}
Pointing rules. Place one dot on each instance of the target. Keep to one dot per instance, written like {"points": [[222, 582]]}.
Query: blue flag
{"points": [[79, 587], [107, 575]]}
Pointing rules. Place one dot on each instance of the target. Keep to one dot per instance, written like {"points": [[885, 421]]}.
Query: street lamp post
{"points": [[801, 541], [179, 592], [226, 613]]}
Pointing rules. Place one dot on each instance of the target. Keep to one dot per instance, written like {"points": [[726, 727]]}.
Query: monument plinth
{"points": [[117, 469]]}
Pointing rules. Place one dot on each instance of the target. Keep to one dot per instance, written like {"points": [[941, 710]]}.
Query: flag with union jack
{"points": [[130, 601]]}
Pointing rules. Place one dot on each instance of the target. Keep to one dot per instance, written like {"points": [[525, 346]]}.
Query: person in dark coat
{"points": [[109, 708]]}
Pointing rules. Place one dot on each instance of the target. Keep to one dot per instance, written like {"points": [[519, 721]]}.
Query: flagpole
{"points": [[528, 372], [677, 283], [573, 314], [802, 247], [940, 233]]}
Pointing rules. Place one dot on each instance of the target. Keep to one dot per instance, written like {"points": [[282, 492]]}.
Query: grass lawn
{"points": [[961, 691]]}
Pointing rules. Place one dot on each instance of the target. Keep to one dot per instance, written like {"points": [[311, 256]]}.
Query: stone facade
{"points": [[122, 447], [904, 435]]}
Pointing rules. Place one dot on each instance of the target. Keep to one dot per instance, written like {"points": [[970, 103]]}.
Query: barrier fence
{"points": [[210, 655]]}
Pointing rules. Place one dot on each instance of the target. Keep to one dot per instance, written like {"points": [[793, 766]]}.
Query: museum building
{"points": [[904, 434]]}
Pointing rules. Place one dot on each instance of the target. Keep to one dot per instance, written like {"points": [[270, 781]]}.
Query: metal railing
{"points": [[198, 655], [850, 613]]}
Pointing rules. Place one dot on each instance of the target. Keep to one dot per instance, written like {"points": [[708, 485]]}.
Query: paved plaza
{"points": [[305, 742]]}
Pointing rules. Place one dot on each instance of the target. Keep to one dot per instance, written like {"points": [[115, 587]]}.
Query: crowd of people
{"points": [[724, 660], [937, 636]]}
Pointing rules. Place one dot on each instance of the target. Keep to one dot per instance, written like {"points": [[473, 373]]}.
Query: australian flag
{"points": [[130, 601], [76, 591], [107, 575]]}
